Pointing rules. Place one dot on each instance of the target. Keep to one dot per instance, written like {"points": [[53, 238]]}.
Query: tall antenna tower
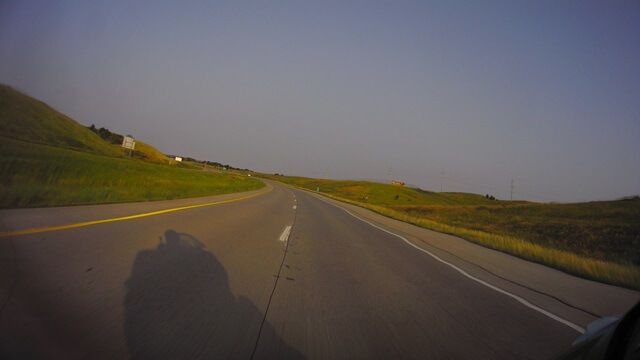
{"points": [[511, 197]]}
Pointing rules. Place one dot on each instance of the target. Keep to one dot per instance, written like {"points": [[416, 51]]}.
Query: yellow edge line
{"points": [[131, 217]]}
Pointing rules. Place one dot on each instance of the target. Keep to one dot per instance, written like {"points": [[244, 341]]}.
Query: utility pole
{"points": [[511, 197], [441, 180]]}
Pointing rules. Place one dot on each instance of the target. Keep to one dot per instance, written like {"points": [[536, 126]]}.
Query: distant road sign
{"points": [[128, 143]]}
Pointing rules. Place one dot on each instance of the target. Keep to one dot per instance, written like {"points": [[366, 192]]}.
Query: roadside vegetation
{"points": [[48, 159], [27, 119], [34, 175], [595, 240]]}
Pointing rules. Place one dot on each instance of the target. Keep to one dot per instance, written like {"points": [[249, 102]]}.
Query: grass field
{"points": [[48, 159], [34, 175], [594, 240], [605, 230]]}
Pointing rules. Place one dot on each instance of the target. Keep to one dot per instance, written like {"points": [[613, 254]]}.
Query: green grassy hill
{"points": [[48, 159], [27, 119], [35, 175], [146, 152]]}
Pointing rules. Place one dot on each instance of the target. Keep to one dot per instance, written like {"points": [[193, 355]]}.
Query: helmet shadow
{"points": [[178, 304]]}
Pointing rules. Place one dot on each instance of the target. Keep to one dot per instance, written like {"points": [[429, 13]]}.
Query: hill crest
{"points": [[28, 119]]}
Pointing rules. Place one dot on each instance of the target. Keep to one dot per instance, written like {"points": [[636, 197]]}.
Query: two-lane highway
{"points": [[357, 292], [279, 275]]}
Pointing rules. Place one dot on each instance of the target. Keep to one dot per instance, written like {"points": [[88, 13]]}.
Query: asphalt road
{"points": [[223, 281]]}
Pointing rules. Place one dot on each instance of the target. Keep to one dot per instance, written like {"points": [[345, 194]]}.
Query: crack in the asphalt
{"points": [[275, 284]]}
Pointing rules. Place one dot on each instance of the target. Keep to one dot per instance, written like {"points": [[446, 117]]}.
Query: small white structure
{"points": [[128, 143], [177, 158]]}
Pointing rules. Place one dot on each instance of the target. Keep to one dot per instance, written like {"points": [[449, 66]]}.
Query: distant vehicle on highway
{"points": [[609, 338]]}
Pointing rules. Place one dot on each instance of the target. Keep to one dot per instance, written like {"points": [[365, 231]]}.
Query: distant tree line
{"points": [[107, 135], [211, 163], [630, 198]]}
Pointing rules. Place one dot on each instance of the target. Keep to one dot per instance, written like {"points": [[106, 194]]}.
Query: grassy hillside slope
{"points": [[48, 159], [595, 240], [35, 175], [146, 152], [27, 119]]}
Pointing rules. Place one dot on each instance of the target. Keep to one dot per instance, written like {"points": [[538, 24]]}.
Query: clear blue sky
{"points": [[546, 93]]}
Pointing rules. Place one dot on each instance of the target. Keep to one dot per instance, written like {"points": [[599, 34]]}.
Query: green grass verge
{"points": [[596, 240], [35, 175], [603, 230]]}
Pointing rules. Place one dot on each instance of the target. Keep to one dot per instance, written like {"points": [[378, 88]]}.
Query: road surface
{"points": [[277, 273]]}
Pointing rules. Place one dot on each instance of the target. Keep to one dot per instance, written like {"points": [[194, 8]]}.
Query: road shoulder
{"points": [[572, 298]]}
